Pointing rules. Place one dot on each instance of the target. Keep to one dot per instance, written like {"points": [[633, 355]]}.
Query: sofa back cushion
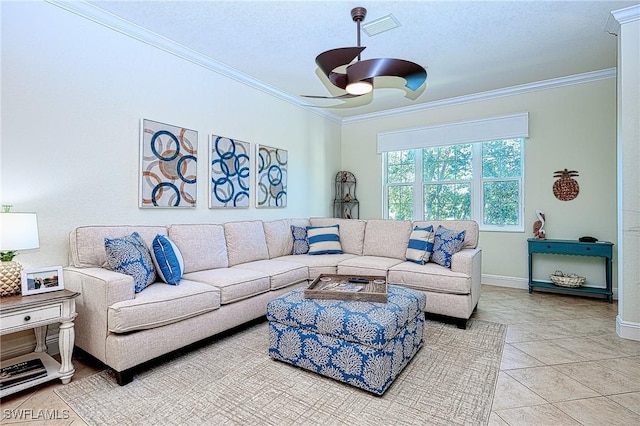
{"points": [[351, 232], [203, 246], [469, 226], [246, 242], [278, 236], [387, 238], [86, 243]]}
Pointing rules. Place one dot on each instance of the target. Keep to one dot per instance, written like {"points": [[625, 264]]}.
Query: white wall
{"points": [[73, 95], [570, 127]]}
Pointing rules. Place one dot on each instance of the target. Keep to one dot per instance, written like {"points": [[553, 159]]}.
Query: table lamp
{"points": [[18, 231]]}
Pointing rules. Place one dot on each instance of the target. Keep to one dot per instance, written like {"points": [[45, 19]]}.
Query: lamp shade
{"points": [[18, 231]]}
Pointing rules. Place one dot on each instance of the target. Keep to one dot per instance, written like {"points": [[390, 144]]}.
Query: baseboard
{"points": [[516, 282], [503, 281], [627, 330]]}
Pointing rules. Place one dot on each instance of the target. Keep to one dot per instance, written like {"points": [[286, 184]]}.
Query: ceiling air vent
{"points": [[380, 25]]}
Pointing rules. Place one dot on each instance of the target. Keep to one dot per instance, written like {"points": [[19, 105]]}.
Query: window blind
{"points": [[485, 129]]}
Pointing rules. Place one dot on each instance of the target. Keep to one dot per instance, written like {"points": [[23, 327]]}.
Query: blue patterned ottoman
{"points": [[364, 344]]}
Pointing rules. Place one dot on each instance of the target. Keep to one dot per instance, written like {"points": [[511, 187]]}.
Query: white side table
{"points": [[18, 313]]}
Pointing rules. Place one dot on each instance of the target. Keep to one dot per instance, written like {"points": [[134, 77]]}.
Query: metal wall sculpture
{"points": [[168, 156]]}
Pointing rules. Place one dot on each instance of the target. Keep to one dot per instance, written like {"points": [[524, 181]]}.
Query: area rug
{"points": [[232, 381]]}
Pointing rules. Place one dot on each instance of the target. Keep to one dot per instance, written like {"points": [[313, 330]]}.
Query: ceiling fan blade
{"points": [[414, 74], [345, 96], [332, 59]]}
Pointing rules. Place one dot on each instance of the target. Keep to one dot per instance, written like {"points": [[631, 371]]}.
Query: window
{"points": [[482, 181]]}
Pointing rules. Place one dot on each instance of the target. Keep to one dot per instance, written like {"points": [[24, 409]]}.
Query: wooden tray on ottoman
{"points": [[364, 288]]}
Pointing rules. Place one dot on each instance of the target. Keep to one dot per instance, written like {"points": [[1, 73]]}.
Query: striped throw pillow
{"points": [[324, 239], [420, 245]]}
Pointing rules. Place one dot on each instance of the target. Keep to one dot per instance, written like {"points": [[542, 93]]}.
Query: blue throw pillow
{"points": [[324, 239], [167, 259], [446, 244], [130, 255], [420, 245], [300, 243]]}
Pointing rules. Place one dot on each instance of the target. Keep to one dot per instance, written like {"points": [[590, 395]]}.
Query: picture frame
{"points": [[42, 280], [168, 166], [229, 172], [271, 177]]}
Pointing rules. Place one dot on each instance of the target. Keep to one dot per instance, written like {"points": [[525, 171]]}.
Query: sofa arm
{"points": [[99, 288], [463, 261], [469, 262]]}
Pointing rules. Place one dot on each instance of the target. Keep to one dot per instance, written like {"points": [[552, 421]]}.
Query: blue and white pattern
{"points": [[167, 259], [130, 255], [364, 344], [420, 245], [229, 167], [447, 243], [324, 239], [300, 242]]}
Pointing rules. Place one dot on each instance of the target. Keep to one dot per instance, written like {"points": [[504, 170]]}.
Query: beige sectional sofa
{"points": [[232, 270]]}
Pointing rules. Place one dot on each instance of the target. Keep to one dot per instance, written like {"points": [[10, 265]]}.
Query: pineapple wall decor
{"points": [[566, 188]]}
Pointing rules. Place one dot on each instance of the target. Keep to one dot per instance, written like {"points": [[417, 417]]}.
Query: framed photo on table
{"points": [[42, 280]]}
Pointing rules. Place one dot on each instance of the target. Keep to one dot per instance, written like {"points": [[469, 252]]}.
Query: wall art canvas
{"points": [[229, 166], [168, 170], [271, 176]]}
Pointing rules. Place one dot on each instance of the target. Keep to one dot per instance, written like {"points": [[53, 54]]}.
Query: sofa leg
{"points": [[124, 377], [461, 324]]}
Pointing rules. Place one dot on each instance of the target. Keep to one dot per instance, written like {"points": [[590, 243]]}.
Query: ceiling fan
{"points": [[358, 78]]}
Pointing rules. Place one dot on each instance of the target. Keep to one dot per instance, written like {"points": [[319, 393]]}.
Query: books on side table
{"points": [[21, 372]]}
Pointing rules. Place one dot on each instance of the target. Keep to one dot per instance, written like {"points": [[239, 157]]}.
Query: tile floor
{"points": [[563, 364]]}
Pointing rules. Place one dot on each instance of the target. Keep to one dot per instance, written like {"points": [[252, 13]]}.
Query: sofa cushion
{"points": [[161, 304], [447, 243], [470, 227], [277, 234], [245, 242], [167, 260], [130, 255], [387, 238], [429, 277], [324, 239], [325, 264], [86, 243], [281, 273], [300, 241], [234, 283], [203, 246], [351, 232], [420, 244], [367, 265]]}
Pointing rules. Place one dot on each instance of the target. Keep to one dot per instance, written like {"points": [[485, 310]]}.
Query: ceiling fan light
{"points": [[359, 88]]}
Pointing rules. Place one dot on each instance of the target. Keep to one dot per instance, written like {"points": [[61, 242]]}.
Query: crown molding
{"points": [[628, 14], [491, 94], [113, 22]]}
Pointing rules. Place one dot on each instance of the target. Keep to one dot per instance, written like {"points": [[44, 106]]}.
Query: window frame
{"points": [[477, 187]]}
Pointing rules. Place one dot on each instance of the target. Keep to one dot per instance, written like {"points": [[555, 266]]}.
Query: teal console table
{"points": [[574, 248]]}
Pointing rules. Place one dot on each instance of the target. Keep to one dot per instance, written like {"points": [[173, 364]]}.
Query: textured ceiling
{"points": [[467, 47]]}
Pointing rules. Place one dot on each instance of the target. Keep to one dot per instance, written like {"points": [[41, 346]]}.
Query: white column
{"points": [[628, 320]]}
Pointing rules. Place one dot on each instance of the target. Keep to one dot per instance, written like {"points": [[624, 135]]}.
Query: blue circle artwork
{"points": [[229, 173]]}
